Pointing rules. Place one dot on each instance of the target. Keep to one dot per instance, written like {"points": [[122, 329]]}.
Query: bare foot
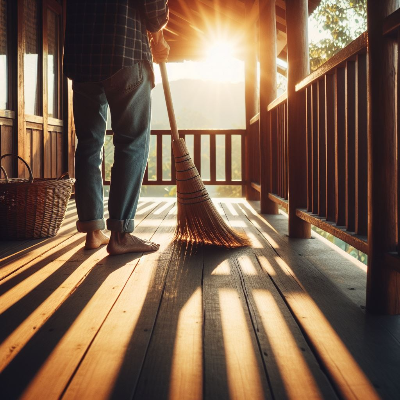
{"points": [[95, 239], [122, 242]]}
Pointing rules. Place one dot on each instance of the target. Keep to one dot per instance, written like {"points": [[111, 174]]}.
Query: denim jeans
{"points": [[128, 94]]}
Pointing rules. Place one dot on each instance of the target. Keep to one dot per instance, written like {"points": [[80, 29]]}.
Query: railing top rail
{"points": [[255, 119], [357, 46], [277, 102], [391, 23], [195, 131]]}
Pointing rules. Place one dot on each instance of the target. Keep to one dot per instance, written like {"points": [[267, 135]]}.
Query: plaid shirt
{"points": [[103, 36]]}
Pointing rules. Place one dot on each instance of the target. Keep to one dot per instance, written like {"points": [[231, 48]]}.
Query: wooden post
{"points": [[383, 284], [268, 93], [251, 94], [298, 68], [20, 103]]}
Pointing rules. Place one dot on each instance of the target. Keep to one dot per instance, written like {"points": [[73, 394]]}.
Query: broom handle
{"points": [[168, 101]]}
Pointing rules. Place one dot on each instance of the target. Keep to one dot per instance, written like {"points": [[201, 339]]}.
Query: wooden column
{"points": [[20, 102], [298, 68], [383, 284], [251, 91], [268, 93]]}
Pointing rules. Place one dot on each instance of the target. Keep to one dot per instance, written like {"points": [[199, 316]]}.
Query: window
{"points": [[32, 70], [53, 64], [3, 56]]}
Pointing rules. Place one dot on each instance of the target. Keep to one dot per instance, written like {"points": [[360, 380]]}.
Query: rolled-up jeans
{"points": [[128, 95]]}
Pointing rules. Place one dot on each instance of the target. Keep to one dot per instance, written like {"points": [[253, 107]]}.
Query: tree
{"points": [[340, 22]]}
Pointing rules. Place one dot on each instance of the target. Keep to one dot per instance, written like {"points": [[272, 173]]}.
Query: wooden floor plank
{"points": [[361, 360], [175, 350], [112, 365], [293, 371], [16, 254], [233, 362], [271, 321], [65, 336]]}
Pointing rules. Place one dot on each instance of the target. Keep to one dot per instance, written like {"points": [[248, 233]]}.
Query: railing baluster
{"points": [[340, 147], [213, 158], [274, 147], [321, 150], [330, 146], [361, 144], [228, 158], [279, 153], [159, 153], [309, 148], [314, 144], [350, 145], [173, 170], [285, 164], [197, 152]]}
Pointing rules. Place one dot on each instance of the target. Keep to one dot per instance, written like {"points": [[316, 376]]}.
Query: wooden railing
{"points": [[336, 136], [336, 128], [277, 115], [217, 154]]}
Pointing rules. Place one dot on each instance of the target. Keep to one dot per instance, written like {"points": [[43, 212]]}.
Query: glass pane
{"points": [[52, 64], [31, 58], [3, 56]]}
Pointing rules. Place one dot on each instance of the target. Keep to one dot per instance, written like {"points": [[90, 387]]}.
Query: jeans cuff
{"points": [[124, 225], [88, 226]]}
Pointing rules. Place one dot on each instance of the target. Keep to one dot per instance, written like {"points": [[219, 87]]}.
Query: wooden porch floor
{"points": [[283, 319]]}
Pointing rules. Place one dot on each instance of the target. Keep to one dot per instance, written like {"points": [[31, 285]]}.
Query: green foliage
{"points": [[341, 21]]}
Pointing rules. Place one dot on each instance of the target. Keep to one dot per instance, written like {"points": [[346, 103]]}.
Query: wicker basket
{"points": [[32, 208]]}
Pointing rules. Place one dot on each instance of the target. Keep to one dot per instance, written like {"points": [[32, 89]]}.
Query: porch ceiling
{"points": [[195, 24]]}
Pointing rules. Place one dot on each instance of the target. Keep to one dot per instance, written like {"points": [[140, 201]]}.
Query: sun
{"points": [[220, 50]]}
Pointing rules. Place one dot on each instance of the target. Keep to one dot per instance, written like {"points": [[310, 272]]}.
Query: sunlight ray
{"points": [[11, 346], [186, 380], [223, 268], [147, 209], [241, 363], [29, 284], [247, 266], [291, 363]]}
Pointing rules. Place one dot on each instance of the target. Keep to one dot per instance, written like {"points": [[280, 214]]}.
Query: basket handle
{"points": [[27, 166], [5, 173], [65, 175]]}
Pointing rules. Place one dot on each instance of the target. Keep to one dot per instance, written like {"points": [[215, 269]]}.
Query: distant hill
{"points": [[201, 105]]}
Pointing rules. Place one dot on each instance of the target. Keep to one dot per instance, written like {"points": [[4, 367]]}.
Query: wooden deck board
{"points": [[273, 321], [360, 357]]}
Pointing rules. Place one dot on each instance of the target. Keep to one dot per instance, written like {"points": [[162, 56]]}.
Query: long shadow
{"points": [[152, 342], [27, 247], [42, 262], [22, 369], [19, 311], [375, 352]]}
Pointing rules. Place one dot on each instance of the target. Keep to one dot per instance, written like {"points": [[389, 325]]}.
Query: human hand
{"points": [[159, 48]]}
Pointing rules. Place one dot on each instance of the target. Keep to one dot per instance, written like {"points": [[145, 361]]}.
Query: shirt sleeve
{"points": [[156, 14]]}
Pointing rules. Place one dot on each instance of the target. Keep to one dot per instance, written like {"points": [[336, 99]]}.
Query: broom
{"points": [[198, 221]]}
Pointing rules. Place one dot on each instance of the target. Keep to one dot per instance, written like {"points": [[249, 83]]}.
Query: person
{"points": [[108, 56]]}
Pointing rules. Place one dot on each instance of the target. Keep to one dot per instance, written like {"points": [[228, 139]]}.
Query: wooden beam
{"points": [[383, 284], [268, 92], [298, 68]]}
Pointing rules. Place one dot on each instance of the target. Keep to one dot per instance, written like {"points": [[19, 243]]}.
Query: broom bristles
{"points": [[198, 221]]}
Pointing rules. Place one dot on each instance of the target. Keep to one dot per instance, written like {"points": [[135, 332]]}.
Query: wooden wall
{"points": [[35, 123]]}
